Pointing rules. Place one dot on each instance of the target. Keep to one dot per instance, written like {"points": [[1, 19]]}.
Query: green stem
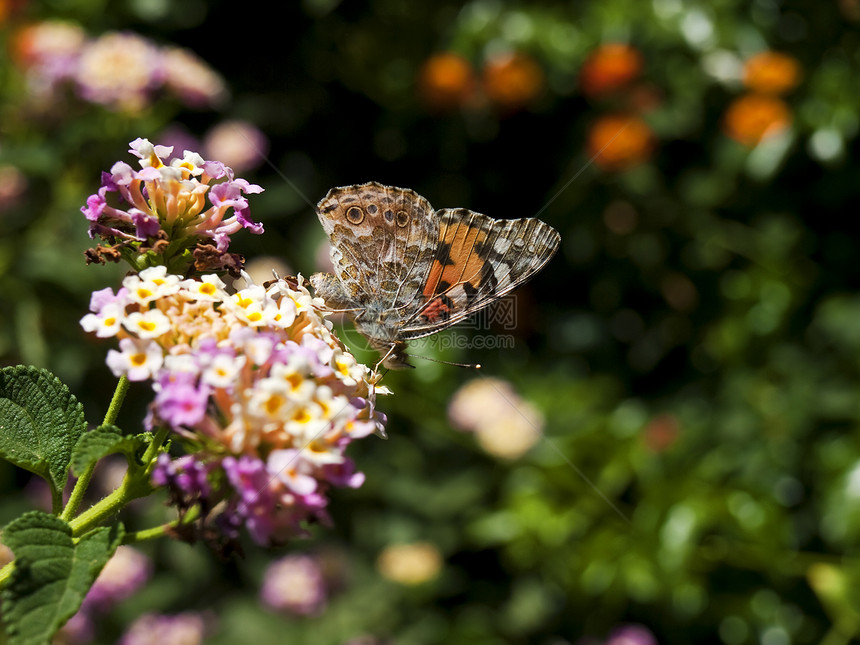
{"points": [[148, 534], [116, 401], [152, 450], [84, 480], [135, 484], [158, 531]]}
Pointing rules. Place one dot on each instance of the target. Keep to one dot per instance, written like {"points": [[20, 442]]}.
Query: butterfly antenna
{"points": [[472, 366]]}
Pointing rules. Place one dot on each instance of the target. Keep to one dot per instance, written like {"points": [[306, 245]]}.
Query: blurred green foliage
{"points": [[693, 348]]}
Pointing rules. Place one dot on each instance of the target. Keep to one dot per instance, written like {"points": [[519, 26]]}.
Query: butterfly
{"points": [[404, 270]]}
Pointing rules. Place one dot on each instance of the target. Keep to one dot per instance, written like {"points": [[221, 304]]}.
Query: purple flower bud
{"points": [[343, 474], [180, 402], [187, 477], [95, 207], [145, 225], [217, 170], [103, 297], [246, 222]]}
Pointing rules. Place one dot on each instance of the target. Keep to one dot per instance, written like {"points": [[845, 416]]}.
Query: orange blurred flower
{"points": [[771, 73], [9, 8], [512, 81], [619, 141], [609, 68], [754, 117], [446, 81], [661, 432]]}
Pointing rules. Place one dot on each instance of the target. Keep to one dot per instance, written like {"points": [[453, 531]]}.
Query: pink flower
{"points": [[166, 200], [180, 400], [189, 78], [241, 145], [159, 629], [631, 635], [119, 70], [124, 574], [295, 585]]}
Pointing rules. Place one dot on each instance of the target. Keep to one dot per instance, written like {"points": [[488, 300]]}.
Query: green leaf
{"points": [[52, 575], [40, 422], [104, 441]]}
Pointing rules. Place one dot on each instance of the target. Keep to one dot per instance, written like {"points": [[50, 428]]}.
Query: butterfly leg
{"points": [[384, 358]]}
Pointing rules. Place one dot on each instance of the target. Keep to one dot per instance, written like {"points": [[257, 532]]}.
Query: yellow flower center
{"points": [[301, 416], [318, 446], [273, 404], [295, 380], [154, 161]]}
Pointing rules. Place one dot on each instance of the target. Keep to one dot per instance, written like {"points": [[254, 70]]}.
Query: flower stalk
{"points": [[134, 485]]}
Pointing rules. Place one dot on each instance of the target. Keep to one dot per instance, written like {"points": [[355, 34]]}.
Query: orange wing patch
{"points": [[456, 262]]}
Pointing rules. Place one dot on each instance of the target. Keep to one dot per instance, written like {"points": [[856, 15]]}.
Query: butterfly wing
{"points": [[478, 260], [382, 242]]}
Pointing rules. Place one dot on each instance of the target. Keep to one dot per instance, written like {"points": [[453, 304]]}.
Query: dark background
{"points": [[695, 362]]}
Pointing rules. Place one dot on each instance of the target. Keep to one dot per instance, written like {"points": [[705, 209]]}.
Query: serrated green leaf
{"points": [[104, 441], [52, 575], [40, 423]]}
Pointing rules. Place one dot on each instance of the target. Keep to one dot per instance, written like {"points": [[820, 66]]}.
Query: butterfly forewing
{"points": [[385, 238], [478, 260]]}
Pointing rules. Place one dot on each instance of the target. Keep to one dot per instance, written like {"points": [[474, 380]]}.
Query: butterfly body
{"points": [[405, 270]]}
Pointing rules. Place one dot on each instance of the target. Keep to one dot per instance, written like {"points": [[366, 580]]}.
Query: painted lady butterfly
{"points": [[405, 270]]}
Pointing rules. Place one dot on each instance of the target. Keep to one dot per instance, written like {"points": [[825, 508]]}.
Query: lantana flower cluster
{"points": [[263, 394], [122, 71], [169, 212]]}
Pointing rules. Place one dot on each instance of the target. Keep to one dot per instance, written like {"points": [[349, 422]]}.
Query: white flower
{"points": [[151, 284], [149, 154], [148, 324], [180, 363], [223, 370], [269, 399], [306, 422], [106, 322], [258, 349], [209, 288], [283, 315], [137, 359], [191, 162], [348, 369], [287, 466]]}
